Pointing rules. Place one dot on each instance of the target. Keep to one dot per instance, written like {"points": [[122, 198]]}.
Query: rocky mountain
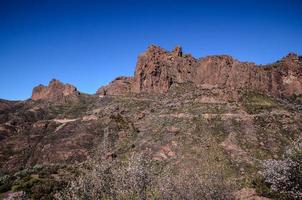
{"points": [[157, 70], [119, 86], [152, 136], [55, 91]]}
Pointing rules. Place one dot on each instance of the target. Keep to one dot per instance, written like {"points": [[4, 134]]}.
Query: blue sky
{"points": [[89, 43]]}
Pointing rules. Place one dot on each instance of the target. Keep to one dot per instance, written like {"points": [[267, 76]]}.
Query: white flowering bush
{"points": [[193, 186], [138, 179], [110, 180], [285, 176]]}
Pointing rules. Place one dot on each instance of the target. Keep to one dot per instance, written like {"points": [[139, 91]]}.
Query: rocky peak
{"points": [[220, 59], [55, 91], [154, 50], [158, 69], [121, 85], [291, 57], [55, 83], [177, 51], [291, 61]]}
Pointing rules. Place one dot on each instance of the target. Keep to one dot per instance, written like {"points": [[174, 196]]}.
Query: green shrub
{"points": [[255, 103]]}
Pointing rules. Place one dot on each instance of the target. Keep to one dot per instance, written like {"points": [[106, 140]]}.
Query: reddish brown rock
{"points": [[55, 91], [291, 74], [157, 69], [226, 72], [119, 86], [177, 52]]}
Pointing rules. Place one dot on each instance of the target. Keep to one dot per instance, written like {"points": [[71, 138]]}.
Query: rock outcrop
{"points": [[157, 69], [120, 85], [55, 91]]}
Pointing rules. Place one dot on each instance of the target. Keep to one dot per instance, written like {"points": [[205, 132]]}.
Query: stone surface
{"points": [[119, 86], [55, 91], [157, 69]]}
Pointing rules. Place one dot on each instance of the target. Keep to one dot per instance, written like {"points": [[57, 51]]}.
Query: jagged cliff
{"points": [[55, 91], [157, 70]]}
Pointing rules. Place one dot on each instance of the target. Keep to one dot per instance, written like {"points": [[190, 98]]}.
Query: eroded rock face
{"points": [[55, 91], [157, 69], [119, 86], [291, 74]]}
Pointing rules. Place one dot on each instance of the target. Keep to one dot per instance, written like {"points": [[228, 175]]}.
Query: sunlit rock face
{"points": [[158, 69], [55, 91], [120, 85]]}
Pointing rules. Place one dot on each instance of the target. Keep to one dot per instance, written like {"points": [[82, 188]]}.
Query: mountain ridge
{"points": [[157, 69], [215, 119]]}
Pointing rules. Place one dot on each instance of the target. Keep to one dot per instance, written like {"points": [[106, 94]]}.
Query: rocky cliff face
{"points": [[120, 85], [55, 91], [157, 69], [278, 79]]}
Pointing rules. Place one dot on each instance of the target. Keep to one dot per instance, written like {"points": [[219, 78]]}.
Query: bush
{"points": [[140, 178], [285, 176], [37, 168], [17, 195], [192, 186], [110, 180], [5, 183]]}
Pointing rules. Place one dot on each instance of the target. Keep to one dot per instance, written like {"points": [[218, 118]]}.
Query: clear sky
{"points": [[89, 43]]}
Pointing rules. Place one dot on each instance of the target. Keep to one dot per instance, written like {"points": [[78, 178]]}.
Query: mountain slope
{"points": [[214, 117]]}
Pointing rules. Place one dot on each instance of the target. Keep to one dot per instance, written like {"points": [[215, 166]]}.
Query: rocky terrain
{"points": [[157, 70], [55, 91], [214, 117]]}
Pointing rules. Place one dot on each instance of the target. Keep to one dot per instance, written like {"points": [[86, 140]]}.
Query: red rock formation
{"points": [[291, 74], [120, 85], [55, 91], [157, 69]]}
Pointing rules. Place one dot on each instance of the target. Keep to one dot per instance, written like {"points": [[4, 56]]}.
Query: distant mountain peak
{"points": [[177, 51], [55, 91]]}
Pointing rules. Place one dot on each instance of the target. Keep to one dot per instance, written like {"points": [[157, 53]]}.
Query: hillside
{"points": [[180, 128]]}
